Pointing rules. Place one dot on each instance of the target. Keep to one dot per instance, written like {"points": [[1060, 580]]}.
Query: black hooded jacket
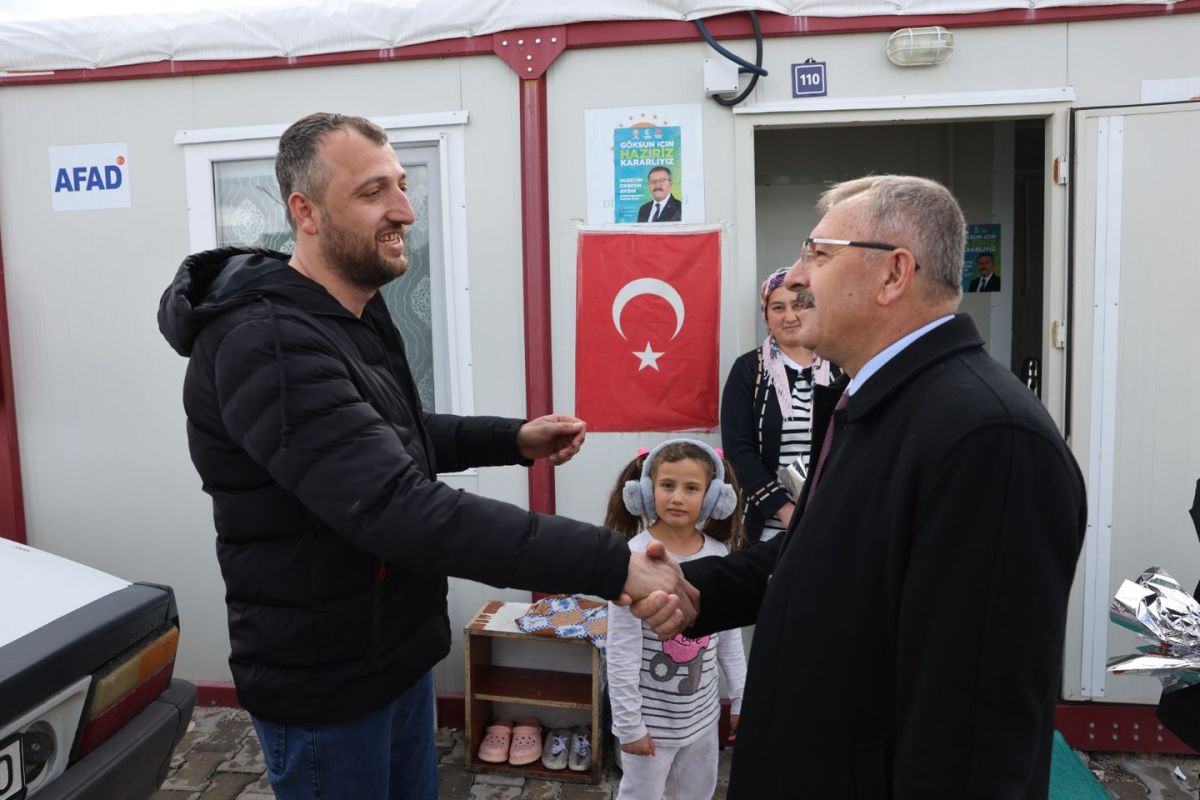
{"points": [[334, 536]]}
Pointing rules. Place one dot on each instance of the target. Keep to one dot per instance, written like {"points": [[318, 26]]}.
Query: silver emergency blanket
{"points": [[792, 478], [1161, 612]]}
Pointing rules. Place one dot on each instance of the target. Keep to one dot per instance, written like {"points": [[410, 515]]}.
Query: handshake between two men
{"points": [[657, 592]]}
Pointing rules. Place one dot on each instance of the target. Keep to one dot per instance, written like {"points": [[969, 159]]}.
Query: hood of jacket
{"points": [[211, 283]]}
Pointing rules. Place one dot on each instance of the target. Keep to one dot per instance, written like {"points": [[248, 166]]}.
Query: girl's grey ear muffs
{"points": [[631, 493], [724, 503], [719, 501]]}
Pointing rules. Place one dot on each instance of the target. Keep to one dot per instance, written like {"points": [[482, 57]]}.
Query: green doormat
{"points": [[1070, 779]]}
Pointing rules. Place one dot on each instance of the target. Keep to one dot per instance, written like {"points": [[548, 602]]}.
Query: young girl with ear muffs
{"points": [[664, 695]]}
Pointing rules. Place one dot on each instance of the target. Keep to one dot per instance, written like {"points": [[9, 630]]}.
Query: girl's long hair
{"points": [[729, 530], [618, 517]]}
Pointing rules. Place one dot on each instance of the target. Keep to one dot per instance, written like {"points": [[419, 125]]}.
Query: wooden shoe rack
{"points": [[488, 683]]}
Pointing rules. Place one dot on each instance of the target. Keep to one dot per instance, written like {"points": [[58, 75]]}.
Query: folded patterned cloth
{"points": [[567, 617]]}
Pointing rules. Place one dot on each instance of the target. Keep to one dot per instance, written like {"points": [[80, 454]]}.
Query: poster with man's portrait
{"points": [[644, 165], [981, 264]]}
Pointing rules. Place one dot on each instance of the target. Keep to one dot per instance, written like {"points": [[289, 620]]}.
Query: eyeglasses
{"points": [[809, 254]]}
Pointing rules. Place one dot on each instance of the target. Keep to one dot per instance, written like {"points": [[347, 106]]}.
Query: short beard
{"points": [[357, 259]]}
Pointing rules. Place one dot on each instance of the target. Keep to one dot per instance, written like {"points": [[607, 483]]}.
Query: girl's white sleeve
{"points": [[732, 658], [624, 656]]}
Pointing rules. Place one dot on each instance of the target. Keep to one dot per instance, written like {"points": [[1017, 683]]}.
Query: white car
{"points": [[89, 707]]}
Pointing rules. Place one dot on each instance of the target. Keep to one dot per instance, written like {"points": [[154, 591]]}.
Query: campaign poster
{"points": [[644, 165], [647, 163], [982, 263]]}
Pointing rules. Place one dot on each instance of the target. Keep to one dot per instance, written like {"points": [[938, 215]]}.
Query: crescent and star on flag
{"points": [[657, 288]]}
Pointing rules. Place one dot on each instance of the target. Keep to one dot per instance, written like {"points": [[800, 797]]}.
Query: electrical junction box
{"points": [[720, 76]]}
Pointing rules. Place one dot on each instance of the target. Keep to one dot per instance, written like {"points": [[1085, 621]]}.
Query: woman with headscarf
{"points": [[767, 411]]}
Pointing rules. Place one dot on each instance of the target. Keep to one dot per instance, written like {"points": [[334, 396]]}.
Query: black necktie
{"points": [[657, 209], [836, 422]]}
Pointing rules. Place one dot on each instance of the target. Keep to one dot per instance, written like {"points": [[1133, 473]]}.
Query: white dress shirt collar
{"points": [[885, 355]]}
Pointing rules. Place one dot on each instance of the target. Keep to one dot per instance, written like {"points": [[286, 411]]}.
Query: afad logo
{"points": [[91, 178]]}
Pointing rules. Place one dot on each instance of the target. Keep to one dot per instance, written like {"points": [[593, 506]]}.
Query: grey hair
{"points": [[298, 168], [916, 213]]}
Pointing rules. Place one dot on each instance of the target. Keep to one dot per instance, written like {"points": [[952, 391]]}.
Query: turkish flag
{"points": [[646, 337]]}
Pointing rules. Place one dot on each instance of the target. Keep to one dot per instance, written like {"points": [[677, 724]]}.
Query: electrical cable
{"points": [[732, 56], [755, 70]]}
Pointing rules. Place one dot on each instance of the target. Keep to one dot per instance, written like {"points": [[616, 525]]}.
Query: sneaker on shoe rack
{"points": [[581, 751], [557, 749]]}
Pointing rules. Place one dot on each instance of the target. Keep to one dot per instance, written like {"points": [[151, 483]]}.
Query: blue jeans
{"points": [[385, 755]]}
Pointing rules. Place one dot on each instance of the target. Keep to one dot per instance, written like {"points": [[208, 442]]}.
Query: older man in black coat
{"points": [[909, 638]]}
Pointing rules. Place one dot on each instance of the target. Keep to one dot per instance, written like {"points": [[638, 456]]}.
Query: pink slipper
{"points": [[494, 747], [526, 742]]}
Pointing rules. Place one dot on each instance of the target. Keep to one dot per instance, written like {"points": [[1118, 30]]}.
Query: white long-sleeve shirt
{"points": [[669, 689]]}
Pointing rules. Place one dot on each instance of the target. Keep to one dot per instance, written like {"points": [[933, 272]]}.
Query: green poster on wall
{"points": [[647, 161], [982, 262]]}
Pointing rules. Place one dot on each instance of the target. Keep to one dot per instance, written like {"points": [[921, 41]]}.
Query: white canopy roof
{"points": [[67, 34]]}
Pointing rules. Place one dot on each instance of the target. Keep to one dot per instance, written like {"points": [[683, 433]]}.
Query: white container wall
{"points": [[105, 471]]}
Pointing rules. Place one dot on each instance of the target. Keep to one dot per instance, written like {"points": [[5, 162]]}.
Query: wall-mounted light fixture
{"points": [[920, 47]]}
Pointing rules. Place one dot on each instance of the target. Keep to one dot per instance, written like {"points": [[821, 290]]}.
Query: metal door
{"points": [[1135, 367]]}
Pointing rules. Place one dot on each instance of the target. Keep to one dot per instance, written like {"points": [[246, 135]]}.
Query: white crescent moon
{"points": [[641, 286]]}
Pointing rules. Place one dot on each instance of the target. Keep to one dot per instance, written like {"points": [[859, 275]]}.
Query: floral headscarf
{"points": [[772, 358]]}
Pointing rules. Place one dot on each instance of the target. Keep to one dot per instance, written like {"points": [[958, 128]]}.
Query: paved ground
{"points": [[219, 759]]}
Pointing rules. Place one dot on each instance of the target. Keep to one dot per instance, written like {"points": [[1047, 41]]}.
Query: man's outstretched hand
{"points": [[657, 593], [554, 436]]}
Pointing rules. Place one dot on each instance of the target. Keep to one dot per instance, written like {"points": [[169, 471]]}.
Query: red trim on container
{"points": [[216, 693], [1085, 726], [12, 502], [447, 48], [529, 52], [1074, 720], [614, 34], [725, 734], [1116, 727], [737, 25], [535, 248], [451, 710], [451, 706]]}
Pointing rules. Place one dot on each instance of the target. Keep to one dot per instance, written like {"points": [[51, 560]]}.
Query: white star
{"points": [[649, 358]]}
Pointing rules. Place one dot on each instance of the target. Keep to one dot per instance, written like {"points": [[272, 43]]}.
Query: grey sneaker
{"points": [[555, 754], [581, 750]]}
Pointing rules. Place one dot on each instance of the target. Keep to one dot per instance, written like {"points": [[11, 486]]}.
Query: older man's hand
{"points": [[657, 593], [554, 436]]}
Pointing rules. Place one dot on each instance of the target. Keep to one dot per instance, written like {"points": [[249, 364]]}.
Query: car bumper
{"points": [[134, 762]]}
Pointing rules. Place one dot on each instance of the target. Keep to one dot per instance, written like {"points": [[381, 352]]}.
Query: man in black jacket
{"points": [[909, 639], [334, 537]]}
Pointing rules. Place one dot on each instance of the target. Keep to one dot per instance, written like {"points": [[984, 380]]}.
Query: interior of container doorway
{"points": [[996, 169]]}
